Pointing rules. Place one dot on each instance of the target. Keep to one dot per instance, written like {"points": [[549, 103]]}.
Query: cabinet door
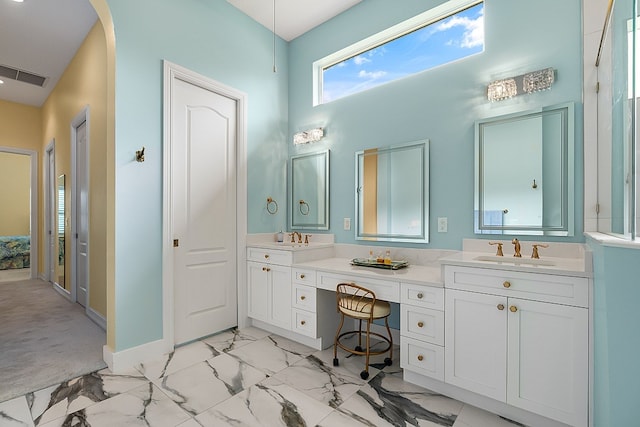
{"points": [[476, 342], [548, 360], [280, 296], [258, 291]]}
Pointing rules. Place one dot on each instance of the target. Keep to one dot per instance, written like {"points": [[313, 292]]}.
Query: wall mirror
{"points": [[309, 191], [59, 268], [392, 193], [525, 173]]}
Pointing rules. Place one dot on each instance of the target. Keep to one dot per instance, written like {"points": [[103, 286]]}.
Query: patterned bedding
{"points": [[15, 252]]}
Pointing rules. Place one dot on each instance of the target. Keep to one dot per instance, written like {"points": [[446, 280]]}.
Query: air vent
{"points": [[22, 76]]}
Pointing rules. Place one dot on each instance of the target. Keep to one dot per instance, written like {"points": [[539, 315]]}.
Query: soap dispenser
{"points": [[280, 236]]}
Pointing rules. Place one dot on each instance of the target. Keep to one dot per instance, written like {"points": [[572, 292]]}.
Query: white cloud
{"points": [[473, 29], [371, 74], [359, 60]]}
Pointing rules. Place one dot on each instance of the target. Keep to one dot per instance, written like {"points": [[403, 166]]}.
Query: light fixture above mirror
{"points": [[534, 81], [308, 136]]}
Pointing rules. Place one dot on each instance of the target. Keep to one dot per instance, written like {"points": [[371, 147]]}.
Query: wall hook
{"points": [[534, 185], [140, 155]]}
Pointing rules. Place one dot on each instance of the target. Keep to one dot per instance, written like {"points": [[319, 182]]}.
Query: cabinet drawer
{"points": [[304, 297], [304, 323], [271, 256], [422, 296], [422, 323], [384, 290], [422, 358], [540, 287], [305, 277]]}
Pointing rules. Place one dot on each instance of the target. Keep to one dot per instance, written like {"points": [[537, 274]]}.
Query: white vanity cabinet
{"points": [[269, 286], [519, 338]]}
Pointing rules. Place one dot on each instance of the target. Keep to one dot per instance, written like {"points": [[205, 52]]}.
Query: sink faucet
{"points": [[499, 251], [293, 237], [516, 247], [535, 254]]}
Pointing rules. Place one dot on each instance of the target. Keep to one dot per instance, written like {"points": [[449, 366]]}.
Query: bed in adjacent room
{"points": [[15, 252]]}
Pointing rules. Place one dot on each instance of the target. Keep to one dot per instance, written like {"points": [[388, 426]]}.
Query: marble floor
{"points": [[243, 378]]}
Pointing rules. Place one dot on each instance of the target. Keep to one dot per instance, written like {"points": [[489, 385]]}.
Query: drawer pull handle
{"points": [[302, 276], [420, 296], [266, 269], [506, 284], [420, 357], [302, 297], [513, 309], [303, 322], [500, 307], [266, 256], [420, 324]]}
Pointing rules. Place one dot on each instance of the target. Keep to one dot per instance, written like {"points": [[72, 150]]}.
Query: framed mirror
{"points": [[59, 268], [309, 195], [524, 169], [392, 193]]}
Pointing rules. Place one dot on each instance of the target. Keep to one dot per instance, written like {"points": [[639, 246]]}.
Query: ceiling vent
{"points": [[22, 76]]}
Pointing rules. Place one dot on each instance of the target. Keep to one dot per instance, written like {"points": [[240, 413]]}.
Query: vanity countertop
{"points": [[579, 266], [420, 274], [287, 246]]}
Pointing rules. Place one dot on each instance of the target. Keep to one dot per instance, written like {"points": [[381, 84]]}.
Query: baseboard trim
{"points": [[97, 318], [121, 361]]}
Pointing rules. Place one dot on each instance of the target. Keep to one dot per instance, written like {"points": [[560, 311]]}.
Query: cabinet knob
{"points": [[420, 296], [302, 276], [266, 269], [506, 284], [500, 307], [420, 357], [266, 256], [303, 322], [420, 324], [302, 297], [513, 309]]}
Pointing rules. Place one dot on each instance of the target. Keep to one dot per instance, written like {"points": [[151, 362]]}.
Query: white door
{"points": [[82, 215], [203, 194], [476, 342], [548, 356]]}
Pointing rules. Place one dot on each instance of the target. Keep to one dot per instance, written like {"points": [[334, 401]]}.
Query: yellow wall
{"points": [[15, 183], [20, 126], [84, 84]]}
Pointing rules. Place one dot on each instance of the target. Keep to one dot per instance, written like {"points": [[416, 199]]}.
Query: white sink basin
{"points": [[514, 260]]}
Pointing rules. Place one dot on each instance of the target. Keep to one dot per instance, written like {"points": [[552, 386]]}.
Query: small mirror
{"points": [[392, 193], [59, 269], [524, 173], [309, 197]]}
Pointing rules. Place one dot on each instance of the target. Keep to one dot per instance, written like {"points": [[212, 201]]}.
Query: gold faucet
{"points": [[535, 253], [306, 238], [293, 237], [499, 251], [516, 247]]}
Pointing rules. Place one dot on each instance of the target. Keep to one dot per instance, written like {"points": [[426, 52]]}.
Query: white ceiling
{"points": [[42, 36]]}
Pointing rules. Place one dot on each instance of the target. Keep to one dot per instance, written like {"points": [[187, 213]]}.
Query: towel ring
{"points": [[272, 206], [303, 210]]}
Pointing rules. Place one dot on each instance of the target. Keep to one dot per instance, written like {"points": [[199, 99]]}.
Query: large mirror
{"points": [[392, 193], [524, 173], [59, 268], [309, 195]]}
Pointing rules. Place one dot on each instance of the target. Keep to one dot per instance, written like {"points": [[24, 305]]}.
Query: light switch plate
{"points": [[347, 223], [442, 224]]}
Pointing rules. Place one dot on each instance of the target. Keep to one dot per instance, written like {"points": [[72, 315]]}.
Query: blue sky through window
{"points": [[454, 37]]}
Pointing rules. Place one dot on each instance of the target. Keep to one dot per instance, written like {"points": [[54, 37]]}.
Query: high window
{"points": [[441, 35]]}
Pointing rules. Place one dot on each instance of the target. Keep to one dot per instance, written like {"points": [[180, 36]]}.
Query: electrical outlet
{"points": [[347, 224], [442, 224]]}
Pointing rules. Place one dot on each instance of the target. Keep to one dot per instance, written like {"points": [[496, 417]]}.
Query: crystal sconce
{"points": [[307, 136], [534, 81]]}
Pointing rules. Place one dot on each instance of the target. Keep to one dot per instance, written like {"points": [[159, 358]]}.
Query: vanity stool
{"points": [[361, 304]]}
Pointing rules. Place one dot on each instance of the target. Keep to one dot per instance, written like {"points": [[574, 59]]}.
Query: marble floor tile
{"points": [[235, 338], [388, 401], [205, 384], [180, 358], [271, 354], [15, 413], [470, 416], [261, 405], [79, 393], [144, 406]]}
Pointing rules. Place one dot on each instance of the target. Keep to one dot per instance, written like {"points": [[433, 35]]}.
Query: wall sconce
{"points": [[534, 81], [307, 136]]}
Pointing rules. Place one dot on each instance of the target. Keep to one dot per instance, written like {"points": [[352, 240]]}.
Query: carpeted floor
{"points": [[44, 338]]}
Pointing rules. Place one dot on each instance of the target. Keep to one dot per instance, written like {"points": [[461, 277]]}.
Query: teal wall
{"points": [[616, 340], [214, 39], [439, 104]]}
